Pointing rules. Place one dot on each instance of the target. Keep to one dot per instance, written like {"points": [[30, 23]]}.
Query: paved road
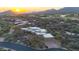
{"points": [[15, 46], [18, 47]]}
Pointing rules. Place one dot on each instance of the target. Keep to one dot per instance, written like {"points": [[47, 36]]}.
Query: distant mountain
{"points": [[50, 11], [8, 12], [60, 11], [69, 10]]}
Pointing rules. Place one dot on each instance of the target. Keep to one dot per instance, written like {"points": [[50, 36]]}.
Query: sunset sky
{"points": [[20, 6]]}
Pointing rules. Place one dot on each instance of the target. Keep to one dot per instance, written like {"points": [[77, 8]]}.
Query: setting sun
{"points": [[19, 10]]}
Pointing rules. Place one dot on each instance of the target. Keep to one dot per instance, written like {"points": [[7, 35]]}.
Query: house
{"points": [[38, 31], [69, 33], [63, 16], [72, 34]]}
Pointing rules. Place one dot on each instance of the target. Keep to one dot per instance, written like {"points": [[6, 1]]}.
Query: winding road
{"points": [[18, 47]]}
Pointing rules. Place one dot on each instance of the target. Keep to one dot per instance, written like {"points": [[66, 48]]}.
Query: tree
{"points": [[58, 37], [4, 27]]}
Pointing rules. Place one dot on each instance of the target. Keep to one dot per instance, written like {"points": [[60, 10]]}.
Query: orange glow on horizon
{"points": [[26, 9]]}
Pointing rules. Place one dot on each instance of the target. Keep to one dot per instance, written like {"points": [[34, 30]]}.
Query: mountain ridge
{"points": [[50, 11]]}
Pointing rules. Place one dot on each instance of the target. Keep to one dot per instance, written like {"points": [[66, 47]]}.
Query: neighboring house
{"points": [[63, 16], [69, 33], [73, 34], [18, 22]]}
